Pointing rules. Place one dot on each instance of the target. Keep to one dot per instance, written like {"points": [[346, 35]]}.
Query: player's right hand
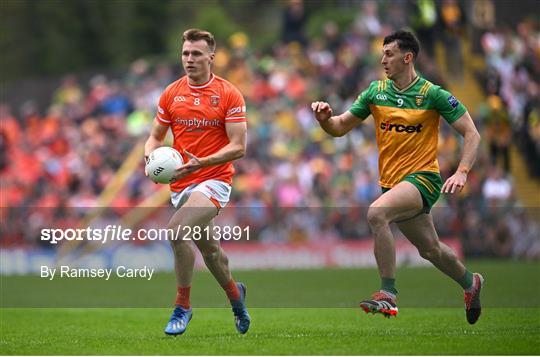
{"points": [[322, 111]]}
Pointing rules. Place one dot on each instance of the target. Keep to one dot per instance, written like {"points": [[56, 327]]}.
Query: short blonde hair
{"points": [[192, 35]]}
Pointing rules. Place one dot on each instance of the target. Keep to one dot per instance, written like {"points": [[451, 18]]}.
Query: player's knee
{"points": [[179, 244], [430, 252], [376, 217], [177, 241]]}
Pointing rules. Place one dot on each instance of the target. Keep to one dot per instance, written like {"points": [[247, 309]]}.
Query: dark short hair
{"points": [[406, 41], [192, 35]]}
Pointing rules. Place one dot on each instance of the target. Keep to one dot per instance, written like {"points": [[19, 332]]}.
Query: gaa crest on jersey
{"points": [[419, 100], [214, 100]]}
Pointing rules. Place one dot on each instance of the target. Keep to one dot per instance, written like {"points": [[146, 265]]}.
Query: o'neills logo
{"points": [[401, 128], [196, 123]]}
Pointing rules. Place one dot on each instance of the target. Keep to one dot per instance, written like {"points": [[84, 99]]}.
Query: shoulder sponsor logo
{"points": [[179, 98], [236, 110], [453, 101], [381, 97], [160, 110]]}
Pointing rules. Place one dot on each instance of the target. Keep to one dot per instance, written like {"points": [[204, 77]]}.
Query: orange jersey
{"points": [[197, 116]]}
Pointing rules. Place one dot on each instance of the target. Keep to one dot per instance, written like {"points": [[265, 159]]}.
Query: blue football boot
{"points": [[179, 320], [241, 315]]}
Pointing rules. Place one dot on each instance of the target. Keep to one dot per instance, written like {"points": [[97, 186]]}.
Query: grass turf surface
{"points": [[429, 322]]}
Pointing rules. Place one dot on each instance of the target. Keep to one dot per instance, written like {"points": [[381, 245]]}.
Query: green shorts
{"points": [[428, 183]]}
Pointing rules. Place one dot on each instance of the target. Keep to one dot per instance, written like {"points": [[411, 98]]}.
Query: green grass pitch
{"points": [[309, 312]]}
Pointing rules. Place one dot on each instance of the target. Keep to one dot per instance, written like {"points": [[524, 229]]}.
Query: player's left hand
{"points": [[456, 181], [189, 167]]}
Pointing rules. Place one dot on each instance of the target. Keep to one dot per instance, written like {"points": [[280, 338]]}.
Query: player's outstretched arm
{"points": [[471, 140], [334, 125]]}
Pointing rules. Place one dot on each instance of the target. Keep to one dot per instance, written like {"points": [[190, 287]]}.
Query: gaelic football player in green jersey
{"points": [[406, 109]]}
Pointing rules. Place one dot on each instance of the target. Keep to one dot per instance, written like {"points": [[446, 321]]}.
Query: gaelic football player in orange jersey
{"points": [[207, 117], [406, 109]]}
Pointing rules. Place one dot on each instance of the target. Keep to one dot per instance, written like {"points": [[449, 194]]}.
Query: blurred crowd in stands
{"points": [[64, 156], [512, 87]]}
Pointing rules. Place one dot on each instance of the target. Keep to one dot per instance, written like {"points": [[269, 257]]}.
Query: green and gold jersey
{"points": [[406, 125]]}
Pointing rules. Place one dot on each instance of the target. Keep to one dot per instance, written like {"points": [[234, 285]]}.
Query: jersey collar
{"points": [[406, 88], [204, 85]]}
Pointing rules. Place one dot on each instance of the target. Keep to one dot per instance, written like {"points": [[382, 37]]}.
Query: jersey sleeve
{"points": [[163, 116], [235, 111], [447, 105], [360, 107]]}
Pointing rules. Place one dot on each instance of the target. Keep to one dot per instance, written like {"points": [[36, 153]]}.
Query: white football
{"points": [[162, 163]]}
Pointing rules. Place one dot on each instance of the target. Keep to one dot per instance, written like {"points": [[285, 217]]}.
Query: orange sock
{"points": [[182, 296], [232, 290]]}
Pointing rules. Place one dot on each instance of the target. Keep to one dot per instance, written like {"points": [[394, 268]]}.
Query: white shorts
{"points": [[217, 191]]}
